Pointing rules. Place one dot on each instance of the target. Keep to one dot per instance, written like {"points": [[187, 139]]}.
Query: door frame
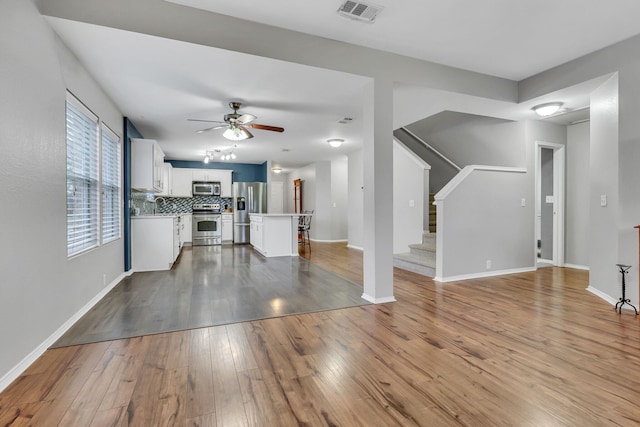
{"points": [[558, 199]]}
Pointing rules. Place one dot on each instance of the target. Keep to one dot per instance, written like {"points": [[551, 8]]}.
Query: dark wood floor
{"points": [[531, 349], [213, 285]]}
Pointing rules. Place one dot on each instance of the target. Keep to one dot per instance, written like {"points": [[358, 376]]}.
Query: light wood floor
{"points": [[532, 349]]}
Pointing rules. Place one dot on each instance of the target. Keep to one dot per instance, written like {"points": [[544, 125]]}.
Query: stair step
{"points": [[416, 264], [429, 238]]}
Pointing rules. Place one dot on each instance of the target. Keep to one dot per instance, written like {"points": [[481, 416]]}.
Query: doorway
{"points": [[549, 200]]}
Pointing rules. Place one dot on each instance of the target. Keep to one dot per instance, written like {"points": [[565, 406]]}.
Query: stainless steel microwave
{"points": [[202, 188]]}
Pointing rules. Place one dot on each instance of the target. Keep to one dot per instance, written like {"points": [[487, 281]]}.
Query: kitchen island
{"points": [[274, 234]]}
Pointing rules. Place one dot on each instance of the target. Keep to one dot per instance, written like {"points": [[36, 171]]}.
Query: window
{"points": [[82, 177], [110, 185], [93, 180]]}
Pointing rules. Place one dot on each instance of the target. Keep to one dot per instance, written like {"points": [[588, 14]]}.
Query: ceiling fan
{"points": [[237, 124]]}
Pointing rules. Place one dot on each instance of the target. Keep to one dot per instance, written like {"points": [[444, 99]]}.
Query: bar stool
{"points": [[304, 224]]}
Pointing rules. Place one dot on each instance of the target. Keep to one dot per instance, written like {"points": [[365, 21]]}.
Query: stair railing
{"points": [[431, 148]]}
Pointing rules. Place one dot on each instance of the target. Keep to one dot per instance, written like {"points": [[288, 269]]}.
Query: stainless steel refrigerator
{"points": [[248, 197]]}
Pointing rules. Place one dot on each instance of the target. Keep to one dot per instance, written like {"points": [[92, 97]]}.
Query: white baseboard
{"points": [[18, 369], [378, 300], [577, 267], [328, 241], [484, 274], [602, 295], [355, 247]]}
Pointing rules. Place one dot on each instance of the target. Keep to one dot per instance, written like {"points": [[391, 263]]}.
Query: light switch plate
{"points": [[549, 199], [412, 203], [603, 200]]}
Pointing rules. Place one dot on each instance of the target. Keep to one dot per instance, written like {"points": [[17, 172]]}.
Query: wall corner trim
{"points": [[484, 274], [602, 295]]}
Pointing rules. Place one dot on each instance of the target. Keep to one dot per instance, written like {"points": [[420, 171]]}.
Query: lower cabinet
{"points": [[185, 229], [227, 228], [274, 234], [155, 242]]}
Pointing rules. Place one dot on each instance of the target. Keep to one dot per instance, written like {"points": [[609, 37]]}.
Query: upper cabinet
{"points": [[147, 162], [182, 179], [167, 180]]}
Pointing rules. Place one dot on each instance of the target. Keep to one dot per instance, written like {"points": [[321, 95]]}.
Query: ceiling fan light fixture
{"points": [[547, 109], [335, 142], [237, 133]]}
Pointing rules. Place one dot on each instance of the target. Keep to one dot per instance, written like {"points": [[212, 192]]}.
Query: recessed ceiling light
{"points": [[335, 142], [547, 109]]}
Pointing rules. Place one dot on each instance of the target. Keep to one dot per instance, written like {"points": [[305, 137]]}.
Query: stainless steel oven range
{"points": [[207, 224]]}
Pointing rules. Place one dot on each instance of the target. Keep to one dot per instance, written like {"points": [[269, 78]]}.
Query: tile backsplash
{"points": [[150, 205]]}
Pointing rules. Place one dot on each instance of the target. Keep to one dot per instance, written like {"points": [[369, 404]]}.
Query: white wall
{"points": [[308, 176], [577, 196], [41, 289], [408, 186], [356, 200]]}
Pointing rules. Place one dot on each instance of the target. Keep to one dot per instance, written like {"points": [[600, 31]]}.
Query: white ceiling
{"points": [[167, 81]]}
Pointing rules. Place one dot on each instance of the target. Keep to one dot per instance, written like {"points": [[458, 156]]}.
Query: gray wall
{"points": [[477, 228], [356, 200], [466, 139], [577, 196], [41, 289], [408, 185], [615, 132]]}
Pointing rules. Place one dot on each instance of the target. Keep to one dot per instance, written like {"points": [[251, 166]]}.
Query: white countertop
{"points": [[277, 214], [161, 216]]}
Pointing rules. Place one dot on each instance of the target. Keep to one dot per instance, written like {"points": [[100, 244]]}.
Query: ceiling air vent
{"points": [[359, 11]]}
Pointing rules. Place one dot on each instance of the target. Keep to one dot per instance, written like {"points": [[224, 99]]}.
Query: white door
{"points": [[276, 196], [549, 200]]}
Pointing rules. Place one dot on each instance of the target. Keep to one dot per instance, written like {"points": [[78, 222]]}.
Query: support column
{"points": [[378, 192]]}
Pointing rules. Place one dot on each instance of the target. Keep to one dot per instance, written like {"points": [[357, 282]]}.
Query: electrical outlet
{"points": [[488, 264], [523, 202], [104, 280]]}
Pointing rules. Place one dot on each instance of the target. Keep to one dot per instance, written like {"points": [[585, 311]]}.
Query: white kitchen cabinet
{"points": [[274, 234], [182, 180], [225, 182], [255, 233], [185, 229], [203, 174], [227, 228], [155, 242], [167, 180], [147, 160]]}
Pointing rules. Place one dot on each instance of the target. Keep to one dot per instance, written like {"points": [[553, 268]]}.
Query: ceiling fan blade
{"points": [[208, 121], [266, 127], [211, 128], [245, 118]]}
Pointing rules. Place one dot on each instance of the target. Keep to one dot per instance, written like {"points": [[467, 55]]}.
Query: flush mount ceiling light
{"points": [[276, 169], [335, 142], [547, 109]]}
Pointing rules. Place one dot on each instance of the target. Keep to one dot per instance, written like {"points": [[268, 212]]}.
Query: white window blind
{"points": [[82, 177], [110, 185]]}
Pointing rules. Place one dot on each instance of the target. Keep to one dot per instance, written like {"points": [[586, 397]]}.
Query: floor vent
{"points": [[359, 11]]}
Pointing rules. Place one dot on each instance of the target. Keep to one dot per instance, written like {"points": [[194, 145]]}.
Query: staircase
{"points": [[432, 213], [422, 256]]}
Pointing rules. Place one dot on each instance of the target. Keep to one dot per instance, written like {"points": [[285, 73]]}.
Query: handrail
{"points": [[449, 186], [430, 147]]}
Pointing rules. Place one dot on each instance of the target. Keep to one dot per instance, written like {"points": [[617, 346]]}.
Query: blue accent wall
{"points": [[242, 172], [130, 131]]}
